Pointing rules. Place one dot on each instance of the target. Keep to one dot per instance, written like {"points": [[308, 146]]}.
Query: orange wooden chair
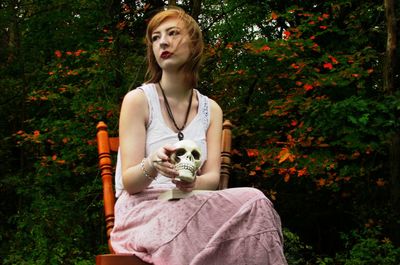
{"points": [[106, 146]]}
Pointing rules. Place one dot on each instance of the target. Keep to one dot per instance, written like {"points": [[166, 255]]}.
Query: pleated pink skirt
{"points": [[232, 226]]}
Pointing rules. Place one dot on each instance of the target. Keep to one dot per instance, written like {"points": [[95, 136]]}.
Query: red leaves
{"points": [[295, 66], [328, 66], [76, 53], [252, 152], [286, 34], [308, 87], [265, 48], [333, 59], [36, 134], [58, 53]]}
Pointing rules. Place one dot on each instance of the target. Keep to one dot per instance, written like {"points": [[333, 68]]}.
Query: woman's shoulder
{"points": [[139, 92], [137, 96], [214, 107]]}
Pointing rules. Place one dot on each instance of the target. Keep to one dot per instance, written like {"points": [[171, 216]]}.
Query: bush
{"points": [[367, 246]]}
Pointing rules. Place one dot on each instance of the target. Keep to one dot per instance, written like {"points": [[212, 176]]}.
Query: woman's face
{"points": [[171, 44]]}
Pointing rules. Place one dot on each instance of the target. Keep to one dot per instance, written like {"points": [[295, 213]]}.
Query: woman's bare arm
{"points": [[210, 172]]}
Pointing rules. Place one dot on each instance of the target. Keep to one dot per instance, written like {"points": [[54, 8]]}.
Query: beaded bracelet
{"points": [[145, 172]]}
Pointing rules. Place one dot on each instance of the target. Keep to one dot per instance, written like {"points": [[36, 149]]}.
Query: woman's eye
{"points": [[174, 33], [154, 38]]}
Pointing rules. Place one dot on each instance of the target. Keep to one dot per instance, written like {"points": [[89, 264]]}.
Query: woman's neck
{"points": [[174, 85]]}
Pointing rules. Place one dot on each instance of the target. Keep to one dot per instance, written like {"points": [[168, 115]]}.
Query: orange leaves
{"points": [[333, 59], [380, 182], [121, 25], [274, 15], [229, 46], [36, 134], [325, 16], [302, 172], [286, 178], [288, 173], [252, 152], [76, 53], [265, 48], [272, 194], [24, 137], [56, 160], [251, 47], [321, 182], [211, 51], [47, 160], [79, 52], [295, 66], [284, 155]]}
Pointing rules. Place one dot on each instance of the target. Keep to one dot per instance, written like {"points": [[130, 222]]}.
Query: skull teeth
{"points": [[184, 167]]}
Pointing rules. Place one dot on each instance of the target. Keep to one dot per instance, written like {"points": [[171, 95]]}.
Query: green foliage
{"points": [[52, 189], [366, 247], [313, 129], [296, 252]]}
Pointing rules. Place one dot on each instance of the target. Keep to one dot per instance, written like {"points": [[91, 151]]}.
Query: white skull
{"points": [[186, 159]]}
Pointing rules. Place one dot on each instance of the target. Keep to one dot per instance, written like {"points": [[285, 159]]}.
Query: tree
{"points": [[390, 88]]}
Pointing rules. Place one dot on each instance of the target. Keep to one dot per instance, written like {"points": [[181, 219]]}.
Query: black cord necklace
{"points": [[171, 116]]}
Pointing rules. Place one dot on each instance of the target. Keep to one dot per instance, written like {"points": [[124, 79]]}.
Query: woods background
{"points": [[312, 88]]}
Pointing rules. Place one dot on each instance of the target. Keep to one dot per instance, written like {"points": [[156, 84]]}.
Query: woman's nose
{"points": [[164, 42]]}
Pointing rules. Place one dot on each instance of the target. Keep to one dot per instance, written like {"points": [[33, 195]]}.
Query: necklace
{"points": [[171, 116]]}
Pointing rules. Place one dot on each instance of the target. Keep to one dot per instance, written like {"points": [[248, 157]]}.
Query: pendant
{"points": [[180, 136]]}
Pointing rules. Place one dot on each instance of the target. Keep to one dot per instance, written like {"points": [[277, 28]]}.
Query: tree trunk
{"points": [[389, 88], [172, 2], [196, 9], [391, 43]]}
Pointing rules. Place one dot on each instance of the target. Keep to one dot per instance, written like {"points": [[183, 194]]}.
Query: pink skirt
{"points": [[232, 226]]}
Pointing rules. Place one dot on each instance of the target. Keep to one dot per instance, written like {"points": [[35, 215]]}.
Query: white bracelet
{"points": [[145, 172]]}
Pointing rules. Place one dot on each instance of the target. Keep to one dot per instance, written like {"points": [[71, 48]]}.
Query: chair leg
{"points": [[119, 259]]}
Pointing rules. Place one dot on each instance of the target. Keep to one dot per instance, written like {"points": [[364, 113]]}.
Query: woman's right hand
{"points": [[161, 161]]}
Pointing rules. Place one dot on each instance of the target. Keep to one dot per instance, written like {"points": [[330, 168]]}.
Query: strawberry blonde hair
{"points": [[192, 66]]}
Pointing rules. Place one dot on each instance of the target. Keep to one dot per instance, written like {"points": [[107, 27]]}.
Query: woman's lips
{"points": [[166, 55]]}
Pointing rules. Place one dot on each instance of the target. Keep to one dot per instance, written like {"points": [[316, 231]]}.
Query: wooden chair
{"points": [[106, 146]]}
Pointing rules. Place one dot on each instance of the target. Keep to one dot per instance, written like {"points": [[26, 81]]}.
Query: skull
{"points": [[186, 159]]}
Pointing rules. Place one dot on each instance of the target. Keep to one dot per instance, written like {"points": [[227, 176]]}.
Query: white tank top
{"points": [[159, 134]]}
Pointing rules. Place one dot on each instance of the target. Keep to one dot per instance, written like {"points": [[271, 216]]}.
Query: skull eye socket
{"points": [[196, 154], [180, 152]]}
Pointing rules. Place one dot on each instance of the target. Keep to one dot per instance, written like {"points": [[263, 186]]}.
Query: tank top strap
{"points": [[204, 109]]}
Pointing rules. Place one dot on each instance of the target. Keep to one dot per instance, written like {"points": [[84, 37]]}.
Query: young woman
{"points": [[233, 226]]}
